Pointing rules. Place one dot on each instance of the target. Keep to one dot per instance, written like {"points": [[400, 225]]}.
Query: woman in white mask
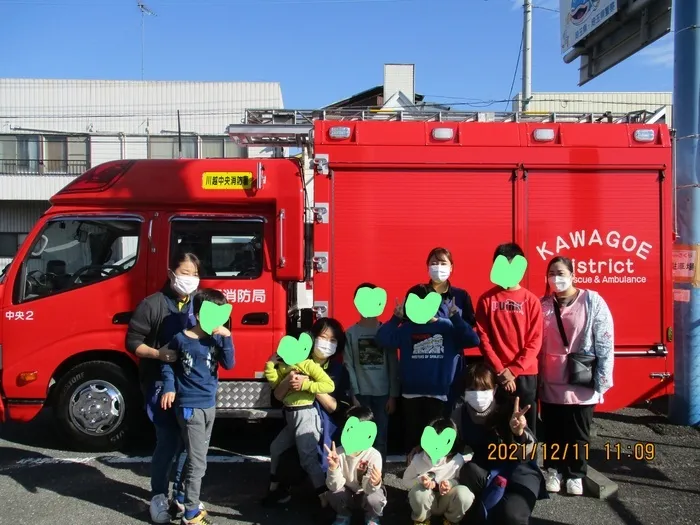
{"points": [[155, 322], [329, 341], [440, 268], [576, 369], [506, 485]]}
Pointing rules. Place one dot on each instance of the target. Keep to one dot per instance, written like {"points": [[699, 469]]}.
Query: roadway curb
{"points": [[598, 485]]}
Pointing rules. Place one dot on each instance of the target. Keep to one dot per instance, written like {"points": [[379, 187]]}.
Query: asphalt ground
{"points": [[41, 483]]}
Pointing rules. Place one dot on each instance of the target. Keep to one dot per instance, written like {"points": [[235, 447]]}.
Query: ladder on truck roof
{"points": [[293, 127]]}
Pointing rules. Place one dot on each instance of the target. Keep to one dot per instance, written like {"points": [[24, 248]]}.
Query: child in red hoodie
{"points": [[509, 325]]}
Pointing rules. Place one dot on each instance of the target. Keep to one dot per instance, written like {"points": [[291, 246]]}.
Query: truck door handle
{"points": [[258, 318]]}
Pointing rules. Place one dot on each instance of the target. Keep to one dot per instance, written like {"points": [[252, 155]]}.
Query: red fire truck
{"points": [[289, 239]]}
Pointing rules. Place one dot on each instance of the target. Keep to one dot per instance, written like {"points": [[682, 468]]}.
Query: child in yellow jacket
{"points": [[303, 427]]}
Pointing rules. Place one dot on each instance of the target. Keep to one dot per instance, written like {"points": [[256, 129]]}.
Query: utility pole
{"points": [[144, 11], [527, 54], [685, 405]]}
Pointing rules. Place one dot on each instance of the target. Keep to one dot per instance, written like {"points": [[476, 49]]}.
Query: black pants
{"points": [[417, 413], [515, 508], [526, 390], [567, 425]]}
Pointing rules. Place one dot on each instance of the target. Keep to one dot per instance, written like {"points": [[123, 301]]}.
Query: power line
{"points": [[515, 73], [545, 8]]}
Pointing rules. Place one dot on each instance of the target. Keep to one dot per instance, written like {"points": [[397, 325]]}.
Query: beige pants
{"points": [[453, 505]]}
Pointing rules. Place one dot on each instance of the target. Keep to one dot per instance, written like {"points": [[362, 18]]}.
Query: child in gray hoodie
{"points": [[374, 373]]}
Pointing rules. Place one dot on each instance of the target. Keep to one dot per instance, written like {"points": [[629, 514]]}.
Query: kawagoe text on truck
{"points": [[288, 240]]}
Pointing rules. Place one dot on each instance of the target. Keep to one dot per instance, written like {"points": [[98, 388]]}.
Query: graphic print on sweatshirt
{"points": [[428, 346], [369, 353], [211, 360], [508, 306]]}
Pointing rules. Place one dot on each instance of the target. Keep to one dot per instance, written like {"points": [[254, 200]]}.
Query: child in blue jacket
{"points": [[429, 357], [190, 385]]}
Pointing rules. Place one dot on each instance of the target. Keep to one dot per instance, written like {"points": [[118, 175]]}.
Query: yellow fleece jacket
{"points": [[319, 381]]}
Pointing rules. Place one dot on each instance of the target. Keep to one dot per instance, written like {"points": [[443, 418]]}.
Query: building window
{"points": [[220, 148], [44, 154], [28, 156], [168, 147], [10, 243]]}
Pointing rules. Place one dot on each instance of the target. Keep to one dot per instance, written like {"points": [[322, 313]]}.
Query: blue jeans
{"points": [[377, 404], [169, 446]]}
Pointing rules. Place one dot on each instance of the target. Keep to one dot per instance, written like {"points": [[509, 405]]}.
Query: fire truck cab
{"points": [[287, 240]]}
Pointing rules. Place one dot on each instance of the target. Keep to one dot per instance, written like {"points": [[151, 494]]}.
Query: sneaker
{"points": [[177, 509], [159, 509], [342, 520], [574, 487], [552, 480], [372, 521], [202, 518], [277, 496]]}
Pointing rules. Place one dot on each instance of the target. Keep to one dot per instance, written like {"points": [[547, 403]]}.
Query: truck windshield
{"points": [[76, 252], [4, 271]]}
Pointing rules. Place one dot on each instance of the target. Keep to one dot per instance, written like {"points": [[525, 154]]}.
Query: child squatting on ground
{"points": [[434, 489], [354, 480], [303, 426], [191, 384]]}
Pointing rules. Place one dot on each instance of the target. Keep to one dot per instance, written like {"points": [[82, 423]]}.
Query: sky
{"points": [[321, 51]]}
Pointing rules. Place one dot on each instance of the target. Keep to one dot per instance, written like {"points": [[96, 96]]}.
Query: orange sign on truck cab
{"points": [[366, 202]]}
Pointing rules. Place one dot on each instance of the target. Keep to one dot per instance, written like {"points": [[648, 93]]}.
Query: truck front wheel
{"points": [[95, 405]]}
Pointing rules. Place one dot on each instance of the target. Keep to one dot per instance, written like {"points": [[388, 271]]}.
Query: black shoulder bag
{"points": [[581, 367]]}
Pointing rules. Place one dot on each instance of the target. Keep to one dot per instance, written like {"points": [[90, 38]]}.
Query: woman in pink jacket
{"points": [[576, 369]]}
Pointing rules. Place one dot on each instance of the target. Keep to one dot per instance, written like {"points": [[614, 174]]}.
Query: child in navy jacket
{"points": [[429, 356], [191, 384]]}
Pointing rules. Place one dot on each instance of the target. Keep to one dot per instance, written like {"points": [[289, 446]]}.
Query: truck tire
{"points": [[95, 405]]}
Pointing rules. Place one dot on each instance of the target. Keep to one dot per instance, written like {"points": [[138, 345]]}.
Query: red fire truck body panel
{"points": [[592, 194], [384, 194]]}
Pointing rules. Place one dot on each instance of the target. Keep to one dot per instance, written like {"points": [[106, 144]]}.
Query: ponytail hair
{"points": [[558, 259]]}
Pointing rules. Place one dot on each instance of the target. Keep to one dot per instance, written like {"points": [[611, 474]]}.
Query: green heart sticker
{"points": [[212, 315], [358, 435], [370, 302], [293, 350], [437, 446], [508, 274], [420, 311]]}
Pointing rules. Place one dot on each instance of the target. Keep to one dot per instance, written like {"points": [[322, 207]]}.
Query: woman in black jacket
{"points": [[503, 472], [157, 319]]}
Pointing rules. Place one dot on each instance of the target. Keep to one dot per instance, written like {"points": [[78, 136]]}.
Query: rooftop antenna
{"points": [[144, 11]]}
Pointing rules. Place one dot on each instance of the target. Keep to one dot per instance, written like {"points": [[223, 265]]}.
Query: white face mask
{"points": [[184, 284], [439, 273], [325, 348], [479, 400], [560, 283]]}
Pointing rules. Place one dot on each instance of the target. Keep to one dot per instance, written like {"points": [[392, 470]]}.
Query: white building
{"points": [[53, 130], [599, 102]]}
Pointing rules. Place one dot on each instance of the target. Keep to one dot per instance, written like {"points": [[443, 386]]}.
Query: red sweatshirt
{"points": [[509, 324]]}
